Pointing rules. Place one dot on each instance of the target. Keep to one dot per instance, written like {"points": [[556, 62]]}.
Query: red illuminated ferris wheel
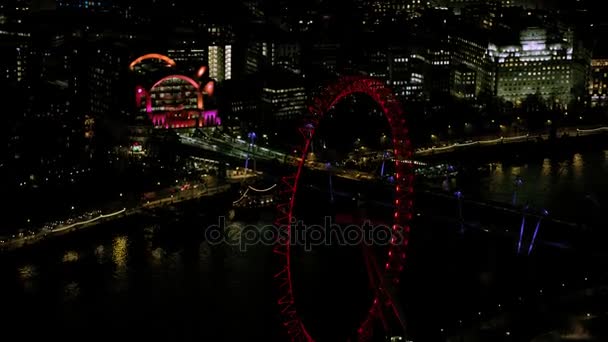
{"points": [[389, 274]]}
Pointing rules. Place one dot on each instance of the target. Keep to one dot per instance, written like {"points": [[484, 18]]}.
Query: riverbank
{"points": [[529, 146], [34, 238]]}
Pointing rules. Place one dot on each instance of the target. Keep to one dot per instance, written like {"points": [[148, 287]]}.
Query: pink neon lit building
{"points": [[174, 100]]}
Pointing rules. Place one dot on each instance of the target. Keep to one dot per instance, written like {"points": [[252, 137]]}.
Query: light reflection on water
{"points": [[71, 291], [70, 256], [119, 259], [27, 272], [560, 184], [119, 251], [578, 165], [100, 254]]}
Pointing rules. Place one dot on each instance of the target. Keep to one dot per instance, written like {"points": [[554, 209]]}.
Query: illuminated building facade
{"points": [[284, 103], [463, 82], [14, 59], [189, 53], [534, 66], [407, 76], [537, 63], [439, 60], [220, 62], [175, 100], [598, 83], [376, 12], [284, 98], [89, 5], [471, 50]]}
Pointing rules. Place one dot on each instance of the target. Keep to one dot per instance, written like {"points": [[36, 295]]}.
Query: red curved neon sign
{"points": [[209, 88], [181, 77], [152, 56], [201, 71]]}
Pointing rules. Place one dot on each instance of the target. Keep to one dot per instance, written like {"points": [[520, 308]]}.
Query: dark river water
{"points": [[157, 279], [568, 185]]}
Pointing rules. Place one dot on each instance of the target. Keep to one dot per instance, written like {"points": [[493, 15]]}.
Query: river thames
{"points": [[157, 279]]}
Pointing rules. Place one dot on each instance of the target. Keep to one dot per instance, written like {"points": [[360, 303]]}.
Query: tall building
{"points": [[283, 97], [14, 59], [537, 62], [598, 83], [107, 76], [406, 72], [470, 49], [438, 56], [287, 55], [189, 51], [463, 82], [220, 62], [220, 52]]}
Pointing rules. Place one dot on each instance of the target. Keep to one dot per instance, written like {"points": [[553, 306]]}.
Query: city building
{"points": [[438, 57], [537, 64], [463, 82], [188, 50], [14, 58], [239, 102], [286, 55], [220, 62], [378, 12], [406, 75], [598, 84], [107, 81], [169, 96], [13, 13], [85, 5], [470, 49], [283, 98]]}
